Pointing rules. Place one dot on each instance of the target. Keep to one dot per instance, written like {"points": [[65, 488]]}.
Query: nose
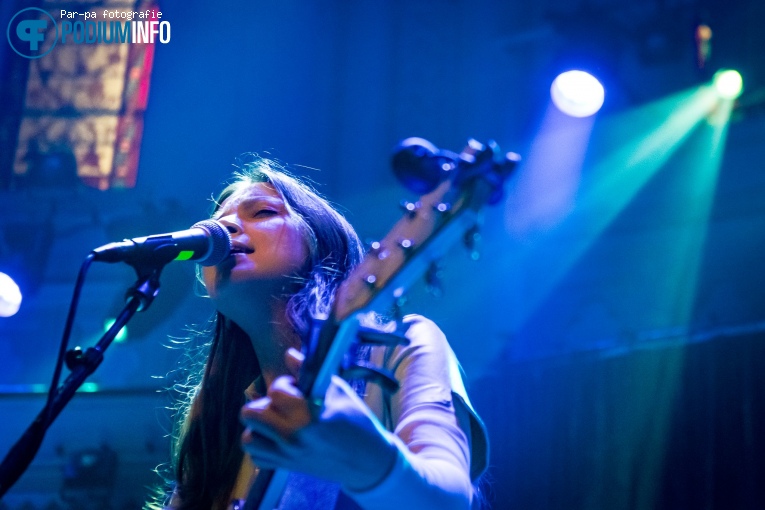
{"points": [[231, 222]]}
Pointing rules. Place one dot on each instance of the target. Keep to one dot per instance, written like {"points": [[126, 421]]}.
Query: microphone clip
{"points": [[146, 288]]}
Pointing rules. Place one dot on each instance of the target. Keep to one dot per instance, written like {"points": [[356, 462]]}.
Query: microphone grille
{"points": [[220, 242]]}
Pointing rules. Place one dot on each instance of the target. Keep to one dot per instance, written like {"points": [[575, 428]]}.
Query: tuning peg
{"points": [[410, 208], [472, 240], [407, 245], [511, 159], [433, 279], [376, 248], [370, 373], [442, 207], [504, 164], [371, 336], [371, 281], [398, 307], [373, 246]]}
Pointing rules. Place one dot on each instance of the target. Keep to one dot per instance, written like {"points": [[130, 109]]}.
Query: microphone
{"points": [[208, 242]]}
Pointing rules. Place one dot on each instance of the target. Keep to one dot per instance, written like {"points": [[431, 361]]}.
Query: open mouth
{"points": [[240, 248], [231, 260]]}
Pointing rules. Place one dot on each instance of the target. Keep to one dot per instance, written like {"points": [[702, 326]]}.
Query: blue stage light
{"points": [[577, 93], [10, 296]]}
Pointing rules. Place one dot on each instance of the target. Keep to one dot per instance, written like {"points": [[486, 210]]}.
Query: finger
{"points": [[284, 395], [286, 385], [288, 404], [294, 360], [279, 419], [260, 417]]}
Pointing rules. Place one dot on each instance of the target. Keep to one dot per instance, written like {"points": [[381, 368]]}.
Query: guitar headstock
{"points": [[456, 187]]}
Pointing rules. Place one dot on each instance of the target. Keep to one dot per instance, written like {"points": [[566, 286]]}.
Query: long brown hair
{"points": [[207, 453]]}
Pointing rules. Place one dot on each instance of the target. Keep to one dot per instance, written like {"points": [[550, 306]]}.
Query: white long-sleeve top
{"points": [[442, 444]]}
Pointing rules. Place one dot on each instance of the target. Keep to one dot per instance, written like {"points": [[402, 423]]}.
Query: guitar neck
{"points": [[267, 489]]}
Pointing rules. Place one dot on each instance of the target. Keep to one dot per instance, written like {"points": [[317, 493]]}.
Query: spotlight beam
{"points": [[627, 150]]}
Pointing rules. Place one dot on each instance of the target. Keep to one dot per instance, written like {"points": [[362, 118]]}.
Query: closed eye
{"points": [[265, 212]]}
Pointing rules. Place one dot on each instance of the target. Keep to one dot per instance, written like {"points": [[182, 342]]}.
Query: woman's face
{"points": [[268, 245]]}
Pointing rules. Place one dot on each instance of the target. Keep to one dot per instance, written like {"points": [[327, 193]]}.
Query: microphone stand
{"points": [[81, 364]]}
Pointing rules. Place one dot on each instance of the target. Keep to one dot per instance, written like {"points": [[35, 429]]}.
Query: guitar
{"points": [[455, 187]]}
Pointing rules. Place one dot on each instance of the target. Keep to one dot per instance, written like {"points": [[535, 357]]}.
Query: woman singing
{"points": [[422, 447]]}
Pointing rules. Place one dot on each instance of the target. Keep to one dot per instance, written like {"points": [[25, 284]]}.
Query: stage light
{"points": [[10, 296], [121, 336], [728, 83], [703, 45], [577, 93]]}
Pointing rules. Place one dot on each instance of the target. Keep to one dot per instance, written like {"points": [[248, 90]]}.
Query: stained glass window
{"points": [[84, 108]]}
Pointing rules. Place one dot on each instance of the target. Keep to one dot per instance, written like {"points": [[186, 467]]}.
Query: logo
{"points": [[26, 33], [31, 35]]}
